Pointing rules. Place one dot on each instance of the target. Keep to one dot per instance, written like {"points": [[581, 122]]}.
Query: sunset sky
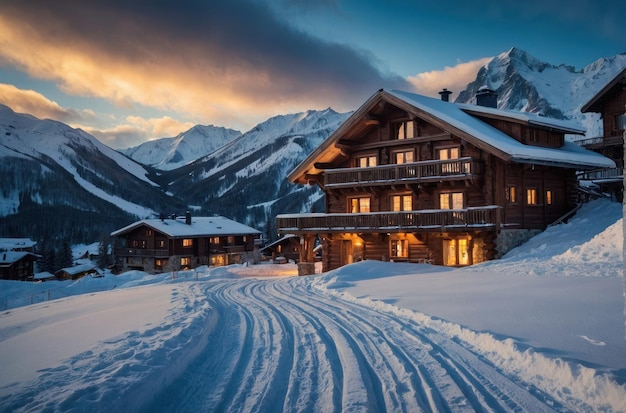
{"points": [[130, 71]]}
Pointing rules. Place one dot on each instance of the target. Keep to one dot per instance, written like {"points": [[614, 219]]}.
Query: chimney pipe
{"points": [[188, 218], [445, 95], [486, 97]]}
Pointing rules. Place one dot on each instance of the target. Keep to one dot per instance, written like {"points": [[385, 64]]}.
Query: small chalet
{"points": [[77, 271], [412, 178], [287, 247], [175, 243], [17, 265], [17, 258], [610, 103]]}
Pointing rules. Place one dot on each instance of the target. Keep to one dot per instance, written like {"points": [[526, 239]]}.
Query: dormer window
{"points": [[404, 130]]}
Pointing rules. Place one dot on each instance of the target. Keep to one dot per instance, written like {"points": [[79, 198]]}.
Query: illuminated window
{"points": [[548, 197], [360, 205], [531, 196], [511, 194], [448, 153], [404, 157], [161, 243], [402, 202], [187, 242], [451, 200], [366, 161], [159, 263], [185, 261], [399, 248], [148, 232], [405, 130]]}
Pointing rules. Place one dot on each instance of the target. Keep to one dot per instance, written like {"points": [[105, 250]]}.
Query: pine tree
{"points": [[65, 256]]}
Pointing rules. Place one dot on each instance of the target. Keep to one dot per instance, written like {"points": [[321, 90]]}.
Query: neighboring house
{"points": [[77, 271], [17, 265], [287, 246], [175, 243], [610, 103], [412, 178], [17, 244]]}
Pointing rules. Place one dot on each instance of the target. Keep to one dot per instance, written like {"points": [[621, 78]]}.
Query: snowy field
{"points": [[540, 330]]}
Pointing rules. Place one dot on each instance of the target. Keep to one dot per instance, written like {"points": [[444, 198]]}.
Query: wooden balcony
{"points": [[486, 218], [407, 173], [141, 252], [602, 175], [616, 139]]}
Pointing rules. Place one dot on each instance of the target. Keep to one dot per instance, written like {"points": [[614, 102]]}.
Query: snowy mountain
{"points": [[246, 179], [526, 84], [171, 153], [62, 182]]}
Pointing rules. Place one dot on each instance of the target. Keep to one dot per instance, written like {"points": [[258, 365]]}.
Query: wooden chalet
{"points": [[412, 178], [610, 103], [17, 265], [178, 243]]}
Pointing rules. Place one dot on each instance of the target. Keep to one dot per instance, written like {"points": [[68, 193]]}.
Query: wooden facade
{"points": [[610, 103], [182, 243], [17, 265], [410, 178]]}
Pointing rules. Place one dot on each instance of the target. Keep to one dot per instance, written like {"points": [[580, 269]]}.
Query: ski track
{"points": [[285, 345]]}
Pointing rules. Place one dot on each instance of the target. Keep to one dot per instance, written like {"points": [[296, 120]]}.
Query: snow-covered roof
{"points": [[281, 240], [200, 227], [11, 257], [78, 269], [455, 115], [7, 244]]}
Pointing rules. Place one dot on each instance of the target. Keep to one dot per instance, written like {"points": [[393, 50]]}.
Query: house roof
{"points": [[281, 240], [77, 269], [615, 85], [8, 258], [7, 244], [200, 227], [462, 120]]}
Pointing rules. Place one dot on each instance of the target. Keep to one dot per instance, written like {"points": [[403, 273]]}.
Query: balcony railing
{"points": [[487, 218], [601, 141], [424, 171], [141, 252], [610, 174]]}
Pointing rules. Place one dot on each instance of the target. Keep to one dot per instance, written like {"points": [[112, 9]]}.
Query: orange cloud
{"points": [[36, 104], [454, 78]]}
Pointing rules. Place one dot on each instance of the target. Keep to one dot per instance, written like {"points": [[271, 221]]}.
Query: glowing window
{"points": [[187, 242]]}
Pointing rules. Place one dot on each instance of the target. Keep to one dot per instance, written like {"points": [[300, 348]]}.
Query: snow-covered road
{"points": [[283, 345]]}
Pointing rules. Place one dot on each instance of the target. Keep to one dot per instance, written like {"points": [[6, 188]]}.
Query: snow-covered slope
{"points": [[527, 84], [53, 175], [247, 179], [172, 153], [370, 336]]}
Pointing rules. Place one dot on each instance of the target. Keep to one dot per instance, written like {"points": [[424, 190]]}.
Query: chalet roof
{"points": [[616, 84], [8, 244], [200, 227], [77, 269], [281, 240], [8, 258], [462, 120]]}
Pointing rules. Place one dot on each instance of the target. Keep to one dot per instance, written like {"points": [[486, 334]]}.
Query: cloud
{"points": [[137, 130], [454, 78], [36, 104], [233, 62]]}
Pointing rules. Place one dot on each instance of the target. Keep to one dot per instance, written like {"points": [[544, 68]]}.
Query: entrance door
{"points": [[456, 252], [346, 252]]}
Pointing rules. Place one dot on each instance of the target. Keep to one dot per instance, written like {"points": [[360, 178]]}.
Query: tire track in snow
{"points": [[284, 345]]}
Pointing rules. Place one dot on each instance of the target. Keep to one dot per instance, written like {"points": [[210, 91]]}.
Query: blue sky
{"points": [[143, 69]]}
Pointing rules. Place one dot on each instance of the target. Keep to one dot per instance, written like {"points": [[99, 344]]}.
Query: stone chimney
{"points": [[188, 218], [486, 97], [445, 95]]}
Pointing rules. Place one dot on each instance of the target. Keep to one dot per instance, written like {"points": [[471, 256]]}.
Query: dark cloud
{"points": [[217, 38]]}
